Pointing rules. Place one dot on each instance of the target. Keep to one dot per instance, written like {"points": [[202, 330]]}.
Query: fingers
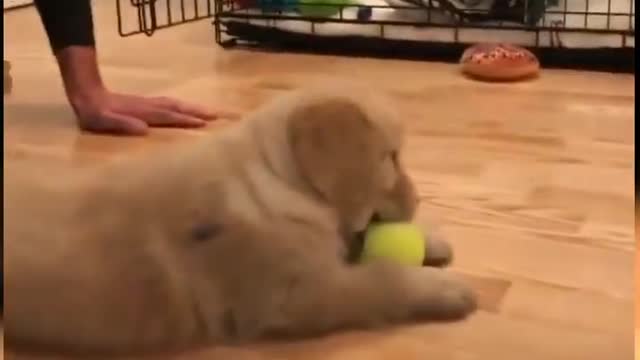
{"points": [[115, 123], [195, 110], [133, 115], [171, 112], [160, 117], [180, 107]]}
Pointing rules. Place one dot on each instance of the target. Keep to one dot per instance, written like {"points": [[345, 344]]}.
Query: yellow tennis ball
{"points": [[402, 243]]}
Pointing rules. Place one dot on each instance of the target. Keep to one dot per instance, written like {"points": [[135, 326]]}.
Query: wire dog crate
{"points": [[581, 34]]}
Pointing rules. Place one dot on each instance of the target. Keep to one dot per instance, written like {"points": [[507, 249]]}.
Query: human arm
{"points": [[70, 30]]}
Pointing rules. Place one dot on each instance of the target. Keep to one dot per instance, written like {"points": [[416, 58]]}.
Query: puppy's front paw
{"points": [[442, 297], [458, 301], [438, 252]]}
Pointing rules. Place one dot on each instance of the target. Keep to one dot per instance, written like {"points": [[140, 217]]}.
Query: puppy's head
{"points": [[348, 151]]}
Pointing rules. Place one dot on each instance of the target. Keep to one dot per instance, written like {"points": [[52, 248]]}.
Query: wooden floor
{"points": [[532, 182]]}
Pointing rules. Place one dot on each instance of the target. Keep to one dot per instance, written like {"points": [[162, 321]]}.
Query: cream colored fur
{"points": [[238, 236]]}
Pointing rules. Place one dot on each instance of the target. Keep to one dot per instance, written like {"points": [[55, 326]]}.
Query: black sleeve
{"points": [[67, 22]]}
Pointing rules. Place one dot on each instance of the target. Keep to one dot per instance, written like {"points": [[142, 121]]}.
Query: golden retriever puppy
{"points": [[241, 235]]}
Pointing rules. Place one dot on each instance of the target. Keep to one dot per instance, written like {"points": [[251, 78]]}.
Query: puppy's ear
{"points": [[338, 151]]}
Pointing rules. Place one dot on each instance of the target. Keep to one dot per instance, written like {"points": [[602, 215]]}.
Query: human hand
{"points": [[108, 112], [100, 110]]}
